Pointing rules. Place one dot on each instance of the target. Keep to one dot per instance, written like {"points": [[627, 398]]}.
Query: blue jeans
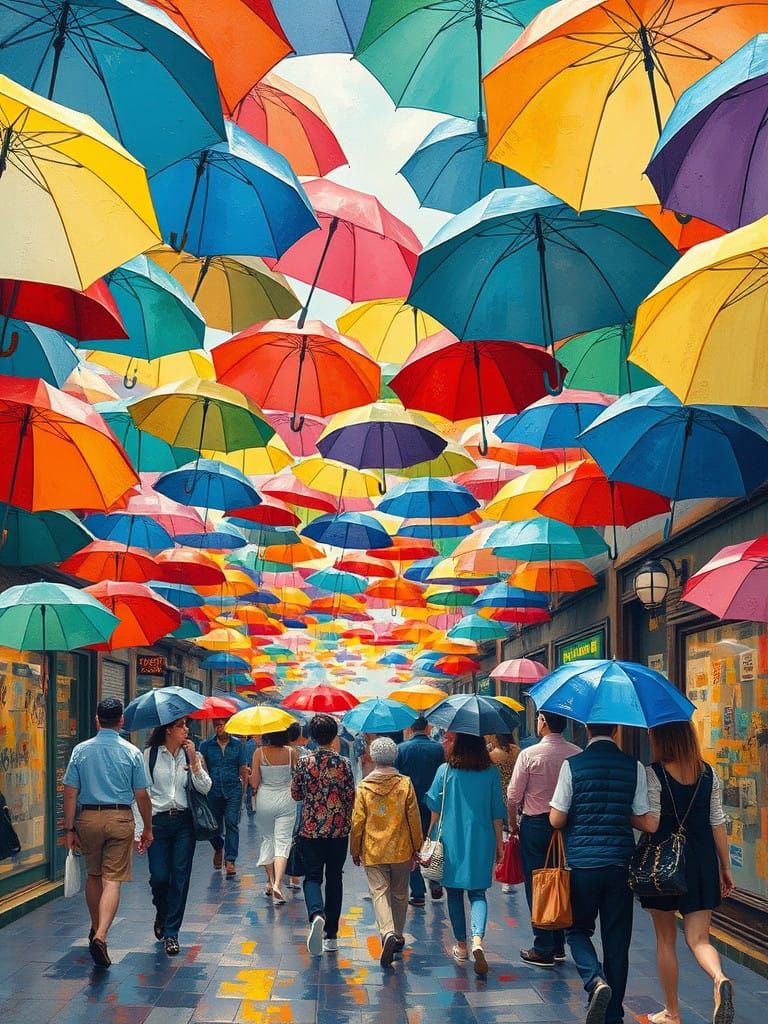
{"points": [[535, 833], [418, 889], [478, 912], [602, 892], [324, 855], [170, 866], [227, 807]]}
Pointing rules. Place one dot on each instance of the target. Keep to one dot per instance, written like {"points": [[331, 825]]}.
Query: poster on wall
{"points": [[658, 662]]}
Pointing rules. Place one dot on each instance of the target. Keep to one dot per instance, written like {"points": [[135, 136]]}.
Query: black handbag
{"points": [[204, 823], [9, 841], [658, 868]]}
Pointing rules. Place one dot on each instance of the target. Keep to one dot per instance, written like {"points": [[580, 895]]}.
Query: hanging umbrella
{"points": [[302, 444], [217, 707], [378, 716], [395, 593], [365, 565], [521, 265], [227, 663], [335, 26], [309, 369], [225, 639], [361, 251], [347, 530], [552, 576], [223, 537], [733, 584], [555, 421], [107, 560], [542, 539], [258, 721], [524, 671], [518, 499], [457, 665], [146, 453], [161, 707], [265, 461], [188, 566], [337, 479], [500, 596], [418, 696], [615, 692], [179, 596], [454, 598], [82, 315], [325, 699], [290, 120], [28, 350], [337, 582], [208, 484], [478, 629], [487, 478], [428, 499], [129, 529], [473, 715], [453, 459], [55, 234], [472, 379], [626, 64], [450, 170], [88, 386], [388, 329], [144, 616], [393, 658], [272, 513], [597, 361], [52, 617], [36, 538], [235, 197], [200, 414]]}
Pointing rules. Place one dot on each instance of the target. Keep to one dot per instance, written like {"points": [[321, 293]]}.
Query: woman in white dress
{"points": [[271, 773]]}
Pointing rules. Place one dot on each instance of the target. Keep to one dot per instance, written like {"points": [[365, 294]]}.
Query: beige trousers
{"points": [[388, 884]]}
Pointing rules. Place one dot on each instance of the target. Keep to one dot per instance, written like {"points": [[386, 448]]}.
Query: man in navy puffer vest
{"points": [[601, 795]]}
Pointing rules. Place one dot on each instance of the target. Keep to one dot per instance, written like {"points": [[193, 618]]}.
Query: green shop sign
{"points": [[592, 646]]}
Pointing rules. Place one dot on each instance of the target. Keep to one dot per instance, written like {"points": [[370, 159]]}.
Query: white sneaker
{"points": [[330, 945], [507, 888], [315, 936]]}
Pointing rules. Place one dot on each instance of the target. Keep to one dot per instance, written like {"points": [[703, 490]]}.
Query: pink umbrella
{"points": [[733, 584], [520, 670], [301, 444], [488, 478], [361, 250]]}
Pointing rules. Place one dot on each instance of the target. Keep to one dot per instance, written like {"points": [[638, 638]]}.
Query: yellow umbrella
{"points": [[75, 203], [266, 461], [88, 386], [510, 702], [702, 331], [258, 720], [518, 499], [154, 373], [419, 696], [335, 478], [452, 460], [236, 583], [224, 639], [388, 329]]}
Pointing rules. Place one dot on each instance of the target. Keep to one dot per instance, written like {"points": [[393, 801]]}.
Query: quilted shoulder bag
{"points": [[431, 854], [204, 823], [658, 868]]}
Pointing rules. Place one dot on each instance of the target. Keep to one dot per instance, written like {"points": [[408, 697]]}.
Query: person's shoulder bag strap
{"points": [[681, 824], [442, 807], [153, 751]]}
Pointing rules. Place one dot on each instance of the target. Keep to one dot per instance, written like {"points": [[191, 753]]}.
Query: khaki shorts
{"points": [[106, 839]]}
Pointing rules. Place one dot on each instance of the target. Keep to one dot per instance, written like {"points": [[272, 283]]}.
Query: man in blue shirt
{"points": [[103, 777], [226, 760], [419, 758]]}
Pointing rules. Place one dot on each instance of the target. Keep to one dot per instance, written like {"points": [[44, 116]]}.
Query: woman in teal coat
{"points": [[468, 790]]}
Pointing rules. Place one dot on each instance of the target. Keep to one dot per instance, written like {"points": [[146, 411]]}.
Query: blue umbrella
{"points": [[348, 530], [224, 537], [393, 658], [428, 498], [36, 351], [542, 539], [239, 196], [418, 572], [208, 484], [449, 170], [521, 265], [139, 531], [379, 716], [334, 26], [336, 582], [434, 531], [262, 597], [500, 595], [554, 421], [160, 707], [472, 714], [617, 692], [178, 594], [224, 662], [148, 454], [125, 64]]}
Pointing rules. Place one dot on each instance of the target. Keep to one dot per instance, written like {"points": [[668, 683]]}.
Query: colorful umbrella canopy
{"points": [[124, 529], [378, 716], [89, 386], [615, 692], [502, 596], [161, 707], [555, 421], [223, 537], [519, 498], [208, 484], [179, 596], [311, 369], [543, 539], [428, 499], [554, 577], [127, 65], [397, 592], [584, 496], [55, 234], [272, 513], [347, 530], [52, 617], [623, 63], [476, 716], [365, 565], [733, 584], [337, 479], [265, 461], [36, 538], [108, 560], [327, 699], [474, 627], [144, 615], [146, 453], [28, 350], [82, 315], [451, 460], [216, 707], [154, 373], [486, 479], [225, 639], [524, 671], [334, 28], [258, 721], [197, 197], [338, 582], [457, 665], [227, 663], [597, 361], [388, 329], [418, 696], [188, 566]]}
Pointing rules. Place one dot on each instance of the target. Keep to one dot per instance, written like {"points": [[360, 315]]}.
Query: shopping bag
{"points": [[509, 870], [551, 889], [72, 875]]}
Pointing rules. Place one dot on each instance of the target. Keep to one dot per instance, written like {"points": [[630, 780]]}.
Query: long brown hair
{"points": [[469, 753], [678, 742]]}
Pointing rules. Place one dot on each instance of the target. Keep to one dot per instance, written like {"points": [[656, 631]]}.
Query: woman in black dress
{"points": [[682, 788]]}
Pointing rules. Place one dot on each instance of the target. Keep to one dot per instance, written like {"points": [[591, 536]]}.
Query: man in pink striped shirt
{"points": [[530, 790]]}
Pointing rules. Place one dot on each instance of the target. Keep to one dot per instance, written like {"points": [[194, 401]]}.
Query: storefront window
{"points": [[71, 685], [23, 760], [727, 678]]}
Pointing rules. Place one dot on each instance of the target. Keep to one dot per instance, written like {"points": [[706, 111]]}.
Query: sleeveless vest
{"points": [[598, 833]]}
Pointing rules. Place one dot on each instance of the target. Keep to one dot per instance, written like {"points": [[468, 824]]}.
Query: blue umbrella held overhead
{"points": [[161, 707], [473, 715], [379, 716]]}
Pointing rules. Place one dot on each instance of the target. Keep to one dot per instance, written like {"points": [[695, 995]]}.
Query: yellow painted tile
{"points": [[248, 948], [254, 985]]}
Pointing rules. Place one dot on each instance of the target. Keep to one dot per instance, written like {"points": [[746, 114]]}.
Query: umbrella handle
{"points": [[129, 383], [296, 425], [557, 387], [6, 352]]}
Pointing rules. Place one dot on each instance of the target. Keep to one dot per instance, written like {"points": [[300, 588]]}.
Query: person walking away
{"points": [[298, 743], [251, 747], [171, 763], [323, 781], [271, 777], [419, 758], [530, 789], [466, 791], [681, 787], [601, 795], [104, 776], [225, 760], [386, 837]]}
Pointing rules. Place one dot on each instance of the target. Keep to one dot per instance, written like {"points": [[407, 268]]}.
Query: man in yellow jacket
{"points": [[386, 837]]}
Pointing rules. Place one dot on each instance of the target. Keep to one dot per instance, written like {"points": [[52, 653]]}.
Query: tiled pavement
{"points": [[244, 960]]}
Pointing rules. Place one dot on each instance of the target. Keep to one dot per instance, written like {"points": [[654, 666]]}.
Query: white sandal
{"points": [[459, 955]]}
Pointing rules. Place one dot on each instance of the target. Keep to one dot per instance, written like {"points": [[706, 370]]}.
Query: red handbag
{"points": [[510, 870]]}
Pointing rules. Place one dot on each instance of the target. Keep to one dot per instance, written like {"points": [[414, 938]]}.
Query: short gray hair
{"points": [[383, 751]]}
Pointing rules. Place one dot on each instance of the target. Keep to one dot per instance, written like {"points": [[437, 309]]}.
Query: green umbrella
{"points": [[148, 454], [597, 361], [52, 617], [451, 598], [34, 538], [474, 627]]}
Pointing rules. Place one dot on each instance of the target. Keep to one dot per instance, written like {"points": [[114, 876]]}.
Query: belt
{"points": [[173, 811], [105, 807], [544, 815]]}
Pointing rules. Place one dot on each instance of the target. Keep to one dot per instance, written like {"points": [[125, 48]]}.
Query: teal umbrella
{"points": [[35, 538], [34, 351], [475, 627], [148, 454], [597, 361], [542, 539], [52, 617], [337, 582]]}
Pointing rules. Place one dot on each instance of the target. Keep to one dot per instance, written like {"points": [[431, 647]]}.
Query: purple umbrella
{"points": [[712, 158]]}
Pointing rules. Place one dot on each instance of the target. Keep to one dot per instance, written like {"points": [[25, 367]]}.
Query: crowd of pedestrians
{"points": [[462, 793]]}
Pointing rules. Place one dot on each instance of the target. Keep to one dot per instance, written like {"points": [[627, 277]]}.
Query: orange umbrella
{"points": [[584, 496], [398, 592], [144, 616], [460, 647], [338, 604], [236, 583], [292, 554], [108, 560], [414, 632], [419, 696], [685, 233], [457, 665], [552, 577], [189, 566]]}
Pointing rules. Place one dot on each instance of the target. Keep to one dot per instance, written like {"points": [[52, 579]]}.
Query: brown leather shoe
{"points": [[231, 871], [218, 859], [98, 951]]}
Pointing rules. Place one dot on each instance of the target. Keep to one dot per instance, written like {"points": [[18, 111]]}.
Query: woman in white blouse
{"points": [[683, 788], [171, 761]]}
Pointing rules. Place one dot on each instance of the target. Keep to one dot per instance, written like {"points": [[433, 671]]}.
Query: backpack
{"points": [[9, 841]]}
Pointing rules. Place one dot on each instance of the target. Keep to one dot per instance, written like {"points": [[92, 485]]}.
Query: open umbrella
{"points": [[418, 696], [161, 707], [148, 454], [144, 615], [180, 565], [388, 329], [378, 716], [208, 484], [335, 26], [553, 577], [478, 629], [227, 663], [89, 386], [327, 699], [128, 530], [107, 560], [519, 498], [52, 617], [216, 707], [82, 315], [473, 715], [733, 584], [524, 671], [28, 350], [597, 361], [31, 538], [555, 421], [544, 539], [615, 692], [257, 721]]}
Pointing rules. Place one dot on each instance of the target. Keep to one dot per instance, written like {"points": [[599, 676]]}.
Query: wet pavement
{"points": [[243, 959]]}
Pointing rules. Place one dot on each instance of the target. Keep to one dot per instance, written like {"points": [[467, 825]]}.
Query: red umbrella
{"points": [[85, 316], [144, 616], [468, 379], [486, 481], [457, 665], [189, 566], [291, 490], [268, 513], [327, 699], [108, 560], [365, 565], [520, 616], [361, 250], [215, 707], [405, 549]]}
